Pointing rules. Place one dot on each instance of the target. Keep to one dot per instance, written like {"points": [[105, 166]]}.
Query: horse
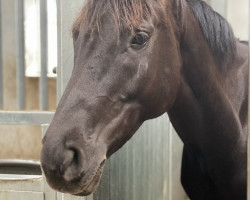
{"points": [[135, 60]]}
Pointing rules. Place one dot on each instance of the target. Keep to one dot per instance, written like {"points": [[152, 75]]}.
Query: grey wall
{"points": [[237, 14]]}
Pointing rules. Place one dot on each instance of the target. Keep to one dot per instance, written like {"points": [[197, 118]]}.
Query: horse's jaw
{"points": [[93, 181], [74, 154]]}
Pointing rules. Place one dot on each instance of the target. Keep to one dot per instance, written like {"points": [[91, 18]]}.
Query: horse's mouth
{"points": [[93, 181]]}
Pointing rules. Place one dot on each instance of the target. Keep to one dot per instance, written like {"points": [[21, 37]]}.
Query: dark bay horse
{"points": [[135, 60]]}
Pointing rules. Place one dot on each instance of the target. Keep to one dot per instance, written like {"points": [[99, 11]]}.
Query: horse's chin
{"points": [[92, 183], [91, 188], [82, 187]]}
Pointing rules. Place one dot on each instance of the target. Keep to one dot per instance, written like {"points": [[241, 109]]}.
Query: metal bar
{"points": [[66, 15], [25, 118], [43, 86], [248, 169], [15, 177], [59, 51], [20, 60], [1, 59]]}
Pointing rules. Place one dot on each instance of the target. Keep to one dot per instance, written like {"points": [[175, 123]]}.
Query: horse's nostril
{"points": [[72, 165], [75, 157], [69, 157]]}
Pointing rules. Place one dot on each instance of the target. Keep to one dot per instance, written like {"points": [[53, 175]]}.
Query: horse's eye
{"points": [[139, 40]]}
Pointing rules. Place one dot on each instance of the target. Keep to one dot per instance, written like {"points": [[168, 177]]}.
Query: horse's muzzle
{"points": [[69, 169]]}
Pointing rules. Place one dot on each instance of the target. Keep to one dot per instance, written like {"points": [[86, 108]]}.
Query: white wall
{"points": [[32, 37], [238, 17], [237, 14]]}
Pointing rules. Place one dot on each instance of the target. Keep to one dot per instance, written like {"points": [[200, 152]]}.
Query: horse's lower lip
{"points": [[96, 175]]}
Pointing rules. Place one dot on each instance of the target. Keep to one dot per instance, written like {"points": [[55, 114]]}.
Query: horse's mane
{"points": [[216, 30], [127, 13]]}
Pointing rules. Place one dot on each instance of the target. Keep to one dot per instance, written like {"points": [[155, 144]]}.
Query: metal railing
{"points": [[1, 60], [20, 52], [27, 117], [43, 89]]}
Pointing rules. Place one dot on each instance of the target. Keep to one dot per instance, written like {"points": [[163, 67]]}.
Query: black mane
{"points": [[216, 30]]}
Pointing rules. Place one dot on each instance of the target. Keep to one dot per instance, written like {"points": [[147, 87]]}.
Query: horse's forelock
{"points": [[127, 13]]}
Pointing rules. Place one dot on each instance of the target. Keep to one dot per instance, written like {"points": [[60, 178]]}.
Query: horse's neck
{"points": [[204, 111]]}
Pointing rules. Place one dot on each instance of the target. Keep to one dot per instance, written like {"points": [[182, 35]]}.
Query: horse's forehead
{"points": [[122, 14]]}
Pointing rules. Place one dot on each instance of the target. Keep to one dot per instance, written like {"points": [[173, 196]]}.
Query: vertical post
{"points": [[67, 11], [20, 60], [43, 84], [1, 60], [248, 181], [59, 53]]}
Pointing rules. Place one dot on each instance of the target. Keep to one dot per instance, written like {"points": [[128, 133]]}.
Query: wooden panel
{"points": [[147, 167], [13, 195], [35, 185]]}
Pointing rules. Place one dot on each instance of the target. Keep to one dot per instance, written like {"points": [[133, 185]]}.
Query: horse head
{"points": [[126, 70]]}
